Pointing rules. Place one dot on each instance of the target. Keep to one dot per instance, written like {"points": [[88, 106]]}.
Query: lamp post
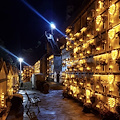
{"points": [[50, 37], [20, 60], [52, 25]]}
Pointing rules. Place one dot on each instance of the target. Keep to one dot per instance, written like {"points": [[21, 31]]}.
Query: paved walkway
{"points": [[52, 107]]}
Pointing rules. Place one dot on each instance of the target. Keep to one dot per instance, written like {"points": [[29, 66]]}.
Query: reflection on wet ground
{"points": [[52, 107]]}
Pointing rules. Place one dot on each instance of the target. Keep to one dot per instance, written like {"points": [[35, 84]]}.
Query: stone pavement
{"points": [[53, 107]]}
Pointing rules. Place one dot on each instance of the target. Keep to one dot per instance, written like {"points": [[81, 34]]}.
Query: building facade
{"points": [[65, 57], [94, 65], [50, 67], [27, 73], [37, 67], [9, 82], [3, 84]]}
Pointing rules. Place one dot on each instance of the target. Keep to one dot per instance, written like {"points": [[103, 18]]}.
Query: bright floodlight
{"points": [[20, 59], [52, 25]]}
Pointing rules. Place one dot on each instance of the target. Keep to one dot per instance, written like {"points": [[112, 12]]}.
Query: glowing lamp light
{"points": [[111, 102], [81, 62], [97, 29], [112, 9], [88, 68], [68, 43], [75, 50], [88, 85], [77, 34], [98, 19], [97, 10], [88, 52], [88, 18], [75, 82], [72, 76], [66, 38], [83, 29], [57, 39], [51, 57], [84, 61], [88, 35], [71, 34], [68, 30], [80, 98], [100, 4], [20, 59], [98, 106], [53, 26], [77, 91], [111, 33], [81, 40], [114, 54], [81, 54], [91, 41], [110, 79], [97, 87], [88, 93], [70, 69], [66, 85], [2, 99], [70, 81], [98, 48], [75, 43], [71, 87], [81, 83], [72, 38], [75, 56], [75, 95], [98, 67], [85, 45], [111, 89], [81, 68], [74, 89], [110, 66], [65, 81], [88, 101]]}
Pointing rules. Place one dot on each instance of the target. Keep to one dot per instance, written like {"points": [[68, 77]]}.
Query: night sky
{"points": [[21, 28]]}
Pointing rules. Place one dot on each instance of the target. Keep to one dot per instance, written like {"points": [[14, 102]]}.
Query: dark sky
{"points": [[21, 28]]}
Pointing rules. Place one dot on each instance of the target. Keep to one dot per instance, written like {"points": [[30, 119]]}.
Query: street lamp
{"points": [[20, 60], [52, 25], [50, 38], [49, 35]]}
